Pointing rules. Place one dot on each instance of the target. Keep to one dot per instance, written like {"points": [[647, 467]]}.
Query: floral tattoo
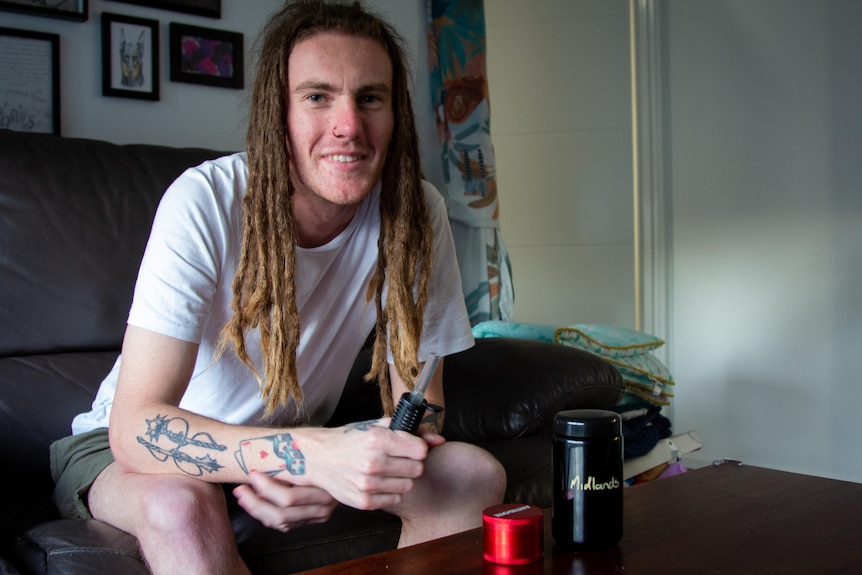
{"points": [[169, 439]]}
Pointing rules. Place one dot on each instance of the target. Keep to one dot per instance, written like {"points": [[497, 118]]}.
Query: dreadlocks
{"points": [[264, 296]]}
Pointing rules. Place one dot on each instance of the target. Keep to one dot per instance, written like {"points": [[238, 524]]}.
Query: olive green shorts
{"points": [[76, 461]]}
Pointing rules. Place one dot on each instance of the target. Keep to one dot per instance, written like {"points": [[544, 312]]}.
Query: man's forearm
{"points": [[176, 441]]}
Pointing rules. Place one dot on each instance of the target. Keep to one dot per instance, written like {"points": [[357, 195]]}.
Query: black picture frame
{"points": [[70, 10], [209, 8], [29, 81], [130, 57], [206, 56]]}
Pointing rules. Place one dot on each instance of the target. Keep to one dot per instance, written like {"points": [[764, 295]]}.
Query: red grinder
{"points": [[513, 534]]}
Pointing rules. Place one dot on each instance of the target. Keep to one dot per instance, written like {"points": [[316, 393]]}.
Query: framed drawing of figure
{"points": [[130, 57]]}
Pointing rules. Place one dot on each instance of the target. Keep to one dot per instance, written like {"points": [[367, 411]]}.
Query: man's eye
{"points": [[369, 99], [316, 98]]}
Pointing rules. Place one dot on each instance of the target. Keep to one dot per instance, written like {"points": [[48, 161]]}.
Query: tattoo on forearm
{"points": [[169, 439], [360, 425], [432, 422], [271, 454]]}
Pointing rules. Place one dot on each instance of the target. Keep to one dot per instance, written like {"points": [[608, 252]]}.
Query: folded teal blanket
{"points": [[514, 329]]}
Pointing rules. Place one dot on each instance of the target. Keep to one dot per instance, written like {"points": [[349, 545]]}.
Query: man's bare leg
{"points": [[460, 481], [181, 523]]}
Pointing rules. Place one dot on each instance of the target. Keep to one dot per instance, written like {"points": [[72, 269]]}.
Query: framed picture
{"points": [[68, 9], [211, 8], [206, 56], [130, 57], [29, 81]]}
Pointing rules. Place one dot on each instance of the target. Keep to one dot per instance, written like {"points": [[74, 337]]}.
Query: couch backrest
{"points": [[75, 216]]}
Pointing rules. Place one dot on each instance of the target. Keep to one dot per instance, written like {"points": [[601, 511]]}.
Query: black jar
{"points": [[588, 478]]}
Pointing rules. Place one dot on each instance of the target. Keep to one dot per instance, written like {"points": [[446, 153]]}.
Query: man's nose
{"points": [[347, 122]]}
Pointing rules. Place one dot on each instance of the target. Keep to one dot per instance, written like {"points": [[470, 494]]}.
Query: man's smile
{"points": [[343, 158]]}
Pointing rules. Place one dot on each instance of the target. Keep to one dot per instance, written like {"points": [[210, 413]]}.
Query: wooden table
{"points": [[728, 519]]}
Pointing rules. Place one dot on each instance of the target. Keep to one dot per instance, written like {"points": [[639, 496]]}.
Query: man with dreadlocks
{"points": [[263, 276]]}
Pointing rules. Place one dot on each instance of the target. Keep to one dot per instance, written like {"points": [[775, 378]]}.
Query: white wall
{"points": [[561, 125], [765, 132], [762, 167], [186, 114]]}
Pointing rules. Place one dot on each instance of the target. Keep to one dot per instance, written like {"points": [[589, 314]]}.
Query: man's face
{"points": [[339, 117]]}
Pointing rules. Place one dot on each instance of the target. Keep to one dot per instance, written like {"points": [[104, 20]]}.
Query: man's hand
{"points": [[363, 465], [281, 505], [432, 438]]}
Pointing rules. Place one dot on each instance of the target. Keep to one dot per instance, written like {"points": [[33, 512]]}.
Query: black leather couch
{"points": [[74, 218]]}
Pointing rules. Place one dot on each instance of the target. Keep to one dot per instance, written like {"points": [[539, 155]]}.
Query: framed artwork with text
{"points": [[29, 81]]}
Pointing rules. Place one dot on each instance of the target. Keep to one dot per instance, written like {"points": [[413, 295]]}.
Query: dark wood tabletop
{"points": [[728, 519]]}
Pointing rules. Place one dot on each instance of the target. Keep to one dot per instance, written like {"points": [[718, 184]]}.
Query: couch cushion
{"points": [[77, 546], [89, 546], [41, 394], [73, 235], [348, 534]]}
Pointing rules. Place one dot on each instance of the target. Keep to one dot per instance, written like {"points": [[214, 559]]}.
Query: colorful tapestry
{"points": [[456, 41]]}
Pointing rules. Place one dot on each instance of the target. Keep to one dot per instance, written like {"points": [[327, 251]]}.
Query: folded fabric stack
{"points": [[649, 384], [648, 381], [642, 429]]}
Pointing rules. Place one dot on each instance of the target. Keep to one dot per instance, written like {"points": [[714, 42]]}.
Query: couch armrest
{"points": [[504, 388], [501, 388]]}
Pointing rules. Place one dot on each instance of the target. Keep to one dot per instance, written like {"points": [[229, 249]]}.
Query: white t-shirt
{"points": [[184, 291]]}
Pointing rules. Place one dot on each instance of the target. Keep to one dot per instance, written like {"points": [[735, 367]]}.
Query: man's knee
{"points": [[477, 470], [136, 503], [486, 473]]}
